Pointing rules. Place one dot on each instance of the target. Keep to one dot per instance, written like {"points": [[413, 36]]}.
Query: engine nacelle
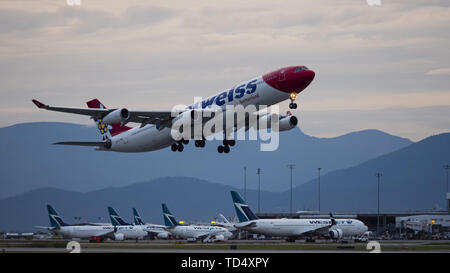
{"points": [[287, 123], [186, 118], [117, 116], [118, 237], [163, 235], [336, 234]]}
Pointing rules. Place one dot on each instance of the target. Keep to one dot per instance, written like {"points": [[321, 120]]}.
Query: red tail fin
{"points": [[115, 128]]}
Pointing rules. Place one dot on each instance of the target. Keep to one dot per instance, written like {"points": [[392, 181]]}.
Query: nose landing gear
{"points": [[292, 97]]}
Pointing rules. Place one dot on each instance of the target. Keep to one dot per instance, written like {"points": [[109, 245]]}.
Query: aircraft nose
{"points": [[309, 77], [365, 228], [303, 79]]}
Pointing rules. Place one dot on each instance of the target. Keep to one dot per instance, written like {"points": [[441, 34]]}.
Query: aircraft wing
{"points": [[204, 235], [147, 117], [249, 225], [48, 228], [321, 230]]}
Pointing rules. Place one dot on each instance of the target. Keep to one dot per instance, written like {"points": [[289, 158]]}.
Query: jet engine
{"points": [[186, 118], [336, 234], [287, 123], [117, 116], [118, 237], [163, 235]]}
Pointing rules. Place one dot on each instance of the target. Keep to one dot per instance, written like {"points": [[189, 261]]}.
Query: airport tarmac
{"points": [[235, 246]]}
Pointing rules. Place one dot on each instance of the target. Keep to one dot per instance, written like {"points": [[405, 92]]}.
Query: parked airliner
{"points": [[194, 232], [158, 230], [155, 130], [91, 231], [294, 228]]}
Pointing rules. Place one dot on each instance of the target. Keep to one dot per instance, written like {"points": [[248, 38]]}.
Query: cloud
{"points": [[440, 71], [142, 56]]}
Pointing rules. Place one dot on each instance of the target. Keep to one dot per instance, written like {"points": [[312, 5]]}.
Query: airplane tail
{"points": [[106, 132], [116, 220], [244, 213], [169, 219], [224, 219], [55, 220], [137, 218]]}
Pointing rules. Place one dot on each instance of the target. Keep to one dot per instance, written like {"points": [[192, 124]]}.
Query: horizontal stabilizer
{"points": [[102, 144]]}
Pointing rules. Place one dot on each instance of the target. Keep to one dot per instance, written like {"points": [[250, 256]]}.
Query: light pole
{"points": [[318, 169], [446, 167], [378, 203], [245, 183], [291, 166], [259, 189]]}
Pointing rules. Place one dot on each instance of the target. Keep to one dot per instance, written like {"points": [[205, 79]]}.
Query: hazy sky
{"points": [[384, 67]]}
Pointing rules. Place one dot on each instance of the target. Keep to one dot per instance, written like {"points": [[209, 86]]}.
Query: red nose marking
{"points": [[290, 79]]}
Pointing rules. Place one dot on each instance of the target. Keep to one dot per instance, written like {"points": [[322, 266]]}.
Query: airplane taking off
{"points": [[158, 230], [155, 131], [294, 228], [89, 231], [204, 233]]}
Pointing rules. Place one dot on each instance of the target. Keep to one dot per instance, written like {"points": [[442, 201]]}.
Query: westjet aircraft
{"points": [[89, 231], [129, 231], [155, 131], [294, 228], [158, 230], [194, 232]]}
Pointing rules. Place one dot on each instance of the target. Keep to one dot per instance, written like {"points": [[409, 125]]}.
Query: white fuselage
{"points": [[87, 232], [156, 229], [150, 138], [297, 227], [187, 232]]}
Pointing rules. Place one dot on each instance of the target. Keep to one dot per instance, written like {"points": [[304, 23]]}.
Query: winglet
{"points": [[38, 103]]}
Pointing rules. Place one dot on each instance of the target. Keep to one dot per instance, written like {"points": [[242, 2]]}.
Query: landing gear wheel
{"points": [[174, 147], [180, 148], [220, 149], [231, 142], [202, 143], [185, 142], [197, 143], [292, 97], [226, 149]]}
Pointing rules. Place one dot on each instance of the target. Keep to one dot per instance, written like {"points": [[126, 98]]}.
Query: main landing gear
{"points": [[292, 97], [179, 145], [200, 143], [226, 146]]}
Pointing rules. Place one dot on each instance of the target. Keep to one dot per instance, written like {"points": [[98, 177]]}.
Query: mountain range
{"points": [[28, 160], [412, 180]]}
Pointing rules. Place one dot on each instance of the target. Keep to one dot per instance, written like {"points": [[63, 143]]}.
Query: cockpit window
{"points": [[300, 68]]}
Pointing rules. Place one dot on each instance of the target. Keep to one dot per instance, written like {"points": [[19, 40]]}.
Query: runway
{"points": [[255, 246]]}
